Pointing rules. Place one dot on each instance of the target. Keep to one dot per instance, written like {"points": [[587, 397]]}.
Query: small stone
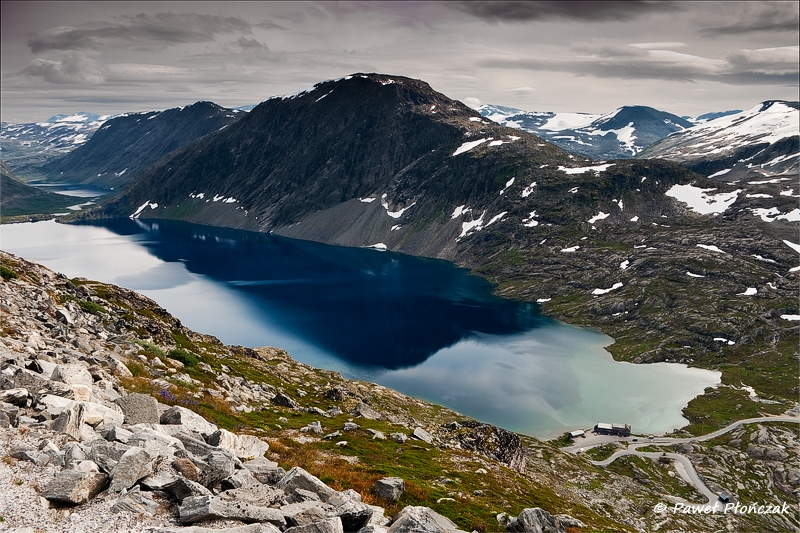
{"points": [[350, 426], [365, 411], [422, 435], [389, 488], [284, 401]]}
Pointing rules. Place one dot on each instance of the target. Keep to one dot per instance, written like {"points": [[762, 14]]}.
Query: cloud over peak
{"points": [[519, 11]]}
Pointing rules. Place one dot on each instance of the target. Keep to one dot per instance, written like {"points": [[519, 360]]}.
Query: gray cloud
{"points": [[143, 31], [739, 67], [252, 45], [761, 17], [67, 68], [578, 10], [608, 48]]}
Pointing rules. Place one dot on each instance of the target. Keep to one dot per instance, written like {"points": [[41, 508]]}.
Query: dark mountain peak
{"points": [[129, 143], [376, 94], [640, 114], [769, 103], [374, 143]]}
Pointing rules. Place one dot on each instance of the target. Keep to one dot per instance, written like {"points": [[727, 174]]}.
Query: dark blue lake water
{"points": [[421, 326]]}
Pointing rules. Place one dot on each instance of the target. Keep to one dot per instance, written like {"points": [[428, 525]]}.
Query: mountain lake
{"points": [[421, 326]]}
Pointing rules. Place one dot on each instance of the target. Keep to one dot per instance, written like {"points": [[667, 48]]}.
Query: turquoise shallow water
{"points": [[421, 326]]}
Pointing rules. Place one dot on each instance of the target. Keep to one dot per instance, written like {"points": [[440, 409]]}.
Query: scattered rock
{"points": [[74, 486], [365, 411], [389, 488], [139, 409], [413, 519], [535, 520]]}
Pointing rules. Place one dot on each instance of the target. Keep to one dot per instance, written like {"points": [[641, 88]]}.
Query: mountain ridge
{"points": [[621, 133]]}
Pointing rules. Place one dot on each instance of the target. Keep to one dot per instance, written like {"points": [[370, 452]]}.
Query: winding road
{"points": [[683, 465]]}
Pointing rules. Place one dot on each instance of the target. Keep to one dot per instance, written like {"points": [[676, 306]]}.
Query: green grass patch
{"points": [[151, 349], [600, 453], [187, 358], [7, 273], [91, 307]]}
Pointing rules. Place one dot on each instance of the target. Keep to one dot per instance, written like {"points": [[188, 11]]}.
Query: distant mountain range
{"points": [[763, 141], [26, 146], [125, 145], [623, 133], [65, 149]]}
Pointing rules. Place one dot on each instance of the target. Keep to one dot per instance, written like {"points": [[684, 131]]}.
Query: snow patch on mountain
{"points": [[701, 201], [469, 145]]}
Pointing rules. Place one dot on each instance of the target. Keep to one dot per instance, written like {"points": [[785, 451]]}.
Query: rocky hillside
{"points": [[759, 144], [623, 133], [18, 198], [127, 144], [110, 409]]}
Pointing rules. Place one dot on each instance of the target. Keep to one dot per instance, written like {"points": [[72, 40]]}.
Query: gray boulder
{"points": [[73, 374], [264, 470], [134, 464], [199, 508], [74, 486], [535, 520], [297, 478], [260, 495], [139, 409], [567, 521], [284, 401], [331, 525], [240, 479], [189, 419], [422, 435], [365, 411], [242, 446], [182, 488], [354, 514], [135, 501], [250, 528], [415, 519], [389, 488], [303, 513], [14, 396]]}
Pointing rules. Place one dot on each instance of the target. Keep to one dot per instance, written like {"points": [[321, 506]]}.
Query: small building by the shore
{"points": [[577, 433], [619, 430]]}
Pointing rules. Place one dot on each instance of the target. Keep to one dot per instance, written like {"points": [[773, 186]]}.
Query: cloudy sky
{"points": [[687, 58]]}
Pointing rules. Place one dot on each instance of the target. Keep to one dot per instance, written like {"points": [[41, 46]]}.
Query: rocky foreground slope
{"points": [[115, 417]]}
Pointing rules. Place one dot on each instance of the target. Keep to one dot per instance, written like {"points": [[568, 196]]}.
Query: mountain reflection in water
{"points": [[369, 308]]}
